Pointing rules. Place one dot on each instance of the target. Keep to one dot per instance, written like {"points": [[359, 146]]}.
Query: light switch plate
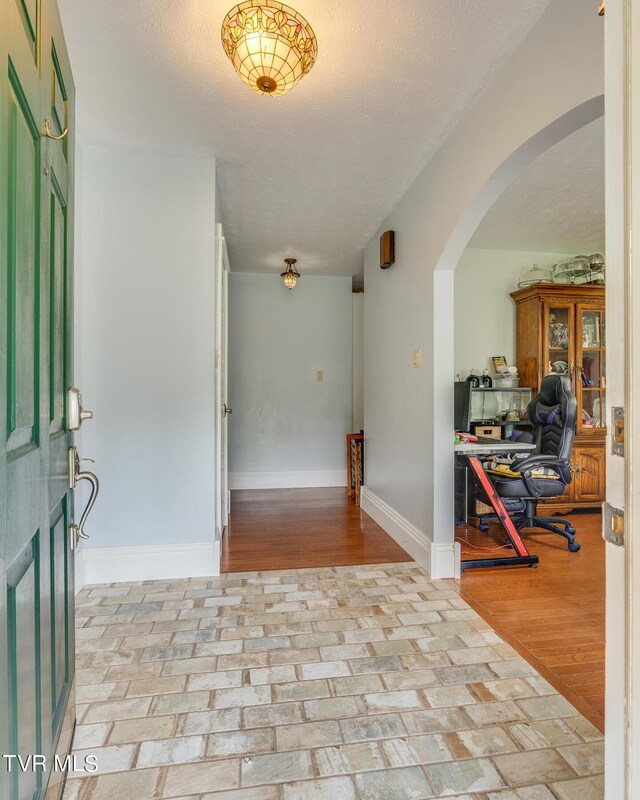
{"points": [[417, 358]]}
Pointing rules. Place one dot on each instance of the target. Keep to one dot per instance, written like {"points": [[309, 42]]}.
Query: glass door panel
{"points": [[591, 377], [558, 331]]}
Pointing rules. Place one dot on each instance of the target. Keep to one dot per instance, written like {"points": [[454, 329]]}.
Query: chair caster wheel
{"points": [[574, 546], [569, 529], [508, 542], [533, 566], [483, 527]]}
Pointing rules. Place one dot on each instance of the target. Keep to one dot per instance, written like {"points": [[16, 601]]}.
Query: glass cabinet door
{"points": [[590, 374], [558, 339]]}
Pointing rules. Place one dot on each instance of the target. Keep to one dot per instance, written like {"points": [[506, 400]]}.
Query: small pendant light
{"points": [[290, 275]]}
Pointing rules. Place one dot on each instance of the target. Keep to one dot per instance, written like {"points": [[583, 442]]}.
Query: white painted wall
{"points": [[485, 314], [145, 357], [287, 428], [358, 362], [544, 92]]}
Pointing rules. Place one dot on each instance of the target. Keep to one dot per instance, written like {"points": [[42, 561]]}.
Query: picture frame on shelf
{"points": [[499, 364]]}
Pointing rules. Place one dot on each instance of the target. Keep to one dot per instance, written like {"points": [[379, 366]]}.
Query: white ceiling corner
{"points": [[313, 173]]}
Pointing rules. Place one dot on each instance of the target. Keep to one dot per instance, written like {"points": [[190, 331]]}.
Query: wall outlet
{"points": [[417, 358], [320, 375]]}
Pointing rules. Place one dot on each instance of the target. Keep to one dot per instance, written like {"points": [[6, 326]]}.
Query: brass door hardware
{"points": [[51, 135], [617, 431]]}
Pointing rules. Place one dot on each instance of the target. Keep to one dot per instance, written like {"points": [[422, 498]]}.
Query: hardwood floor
{"points": [[302, 528], [554, 615]]}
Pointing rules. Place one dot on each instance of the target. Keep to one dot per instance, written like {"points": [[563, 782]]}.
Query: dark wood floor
{"points": [[553, 615], [300, 528]]}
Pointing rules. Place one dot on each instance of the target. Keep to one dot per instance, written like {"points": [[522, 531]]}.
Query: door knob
{"points": [[226, 410]]}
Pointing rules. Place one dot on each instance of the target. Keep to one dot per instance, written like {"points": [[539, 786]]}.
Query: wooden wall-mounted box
{"points": [[387, 249]]}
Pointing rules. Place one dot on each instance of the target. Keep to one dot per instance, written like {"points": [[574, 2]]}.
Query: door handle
{"points": [[226, 410], [76, 474]]}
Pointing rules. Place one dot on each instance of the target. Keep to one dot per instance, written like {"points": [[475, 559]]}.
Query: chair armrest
{"points": [[526, 467], [537, 460]]}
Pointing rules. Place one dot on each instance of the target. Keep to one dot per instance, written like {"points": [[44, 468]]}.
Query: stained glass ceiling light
{"points": [[270, 45], [290, 275]]}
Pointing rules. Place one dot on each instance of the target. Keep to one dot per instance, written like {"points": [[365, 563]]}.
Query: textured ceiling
{"points": [[313, 173], [557, 204]]}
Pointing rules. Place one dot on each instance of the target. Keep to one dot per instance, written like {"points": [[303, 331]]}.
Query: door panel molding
{"points": [[58, 231], [23, 638], [29, 11], [60, 601], [23, 247]]}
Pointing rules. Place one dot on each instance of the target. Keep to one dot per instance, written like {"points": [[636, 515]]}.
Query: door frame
{"points": [[221, 349], [622, 693]]}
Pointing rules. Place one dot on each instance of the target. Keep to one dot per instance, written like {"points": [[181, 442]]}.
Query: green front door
{"points": [[36, 562]]}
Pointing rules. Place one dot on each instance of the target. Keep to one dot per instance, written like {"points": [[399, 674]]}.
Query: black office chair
{"points": [[553, 413]]}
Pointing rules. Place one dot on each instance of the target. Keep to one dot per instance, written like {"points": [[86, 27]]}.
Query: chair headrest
{"points": [[554, 389]]}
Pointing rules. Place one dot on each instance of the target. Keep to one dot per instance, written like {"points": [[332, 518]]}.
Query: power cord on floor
{"points": [[484, 549]]}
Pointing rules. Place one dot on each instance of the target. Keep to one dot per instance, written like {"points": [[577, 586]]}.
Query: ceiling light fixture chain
{"points": [[271, 46]]}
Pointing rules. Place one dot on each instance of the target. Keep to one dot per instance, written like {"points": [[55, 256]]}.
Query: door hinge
{"points": [[617, 431], [612, 524]]}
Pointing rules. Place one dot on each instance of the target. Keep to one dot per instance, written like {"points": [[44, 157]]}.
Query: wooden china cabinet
{"points": [[561, 328]]}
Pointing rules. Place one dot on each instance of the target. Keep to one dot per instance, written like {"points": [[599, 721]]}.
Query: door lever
{"points": [[76, 474]]}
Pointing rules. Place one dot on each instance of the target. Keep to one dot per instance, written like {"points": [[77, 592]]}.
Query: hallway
{"points": [[340, 683], [302, 528]]}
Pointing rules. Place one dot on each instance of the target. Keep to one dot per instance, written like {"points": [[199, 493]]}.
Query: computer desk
{"points": [[473, 451]]}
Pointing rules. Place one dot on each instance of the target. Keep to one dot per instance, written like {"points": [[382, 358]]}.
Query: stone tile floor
{"points": [[347, 683]]}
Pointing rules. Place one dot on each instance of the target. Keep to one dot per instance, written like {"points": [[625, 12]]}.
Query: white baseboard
{"points": [[439, 560], [154, 562], [306, 479], [445, 560]]}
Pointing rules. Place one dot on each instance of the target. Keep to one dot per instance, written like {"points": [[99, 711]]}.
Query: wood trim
{"points": [[561, 292]]}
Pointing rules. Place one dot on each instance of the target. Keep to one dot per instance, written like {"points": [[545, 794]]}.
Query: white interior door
{"points": [[222, 410]]}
